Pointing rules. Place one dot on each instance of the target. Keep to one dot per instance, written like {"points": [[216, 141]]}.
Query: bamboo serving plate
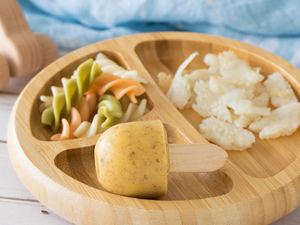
{"points": [[256, 186]]}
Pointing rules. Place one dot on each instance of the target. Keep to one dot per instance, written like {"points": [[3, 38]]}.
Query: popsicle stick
{"points": [[200, 157]]}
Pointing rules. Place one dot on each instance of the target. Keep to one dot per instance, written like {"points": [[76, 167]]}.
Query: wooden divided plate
{"points": [[256, 186]]}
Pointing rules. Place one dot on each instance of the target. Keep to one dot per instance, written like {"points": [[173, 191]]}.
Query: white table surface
{"points": [[17, 205]]}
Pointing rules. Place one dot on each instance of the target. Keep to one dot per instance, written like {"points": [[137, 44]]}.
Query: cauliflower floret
{"points": [[236, 99], [249, 89], [280, 90], [246, 107], [282, 121], [209, 104], [226, 135], [211, 60], [261, 95], [194, 77], [243, 121], [261, 100], [202, 74], [180, 92], [220, 85], [238, 70]]}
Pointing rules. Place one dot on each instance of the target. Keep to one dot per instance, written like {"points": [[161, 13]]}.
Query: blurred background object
{"points": [[273, 25], [21, 51]]}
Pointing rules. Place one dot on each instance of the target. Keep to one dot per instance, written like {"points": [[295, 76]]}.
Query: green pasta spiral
{"points": [[109, 110], [72, 94]]}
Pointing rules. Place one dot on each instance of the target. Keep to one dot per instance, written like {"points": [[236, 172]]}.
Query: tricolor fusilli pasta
{"points": [[75, 103], [77, 128], [73, 90]]}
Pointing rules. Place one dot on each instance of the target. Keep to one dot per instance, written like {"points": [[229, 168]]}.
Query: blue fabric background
{"points": [[273, 25]]}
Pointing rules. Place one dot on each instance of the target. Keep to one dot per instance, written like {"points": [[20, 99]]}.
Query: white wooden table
{"points": [[17, 205]]}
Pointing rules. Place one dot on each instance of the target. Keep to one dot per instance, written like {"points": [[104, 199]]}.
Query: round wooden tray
{"points": [[256, 186]]}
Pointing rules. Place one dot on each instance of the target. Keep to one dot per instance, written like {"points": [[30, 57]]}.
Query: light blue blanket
{"points": [[273, 25]]}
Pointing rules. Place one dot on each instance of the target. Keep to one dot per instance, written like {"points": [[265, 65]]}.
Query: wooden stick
{"points": [[200, 157]]}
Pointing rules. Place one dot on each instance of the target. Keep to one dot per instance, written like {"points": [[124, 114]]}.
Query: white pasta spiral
{"points": [[110, 67], [47, 100], [87, 129], [134, 112]]}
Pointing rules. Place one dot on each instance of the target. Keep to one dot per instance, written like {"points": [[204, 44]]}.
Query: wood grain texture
{"points": [[257, 186], [197, 157]]}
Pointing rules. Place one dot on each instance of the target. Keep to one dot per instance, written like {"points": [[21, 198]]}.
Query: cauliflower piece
{"points": [[249, 89], [226, 135], [282, 121], [236, 99], [246, 107], [220, 85], [260, 95], [209, 104], [202, 74], [180, 92], [211, 60], [280, 90], [243, 121], [238, 70], [164, 81], [194, 77], [261, 100]]}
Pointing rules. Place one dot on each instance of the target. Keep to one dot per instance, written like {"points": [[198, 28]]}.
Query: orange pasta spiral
{"points": [[68, 127], [91, 97], [118, 86]]}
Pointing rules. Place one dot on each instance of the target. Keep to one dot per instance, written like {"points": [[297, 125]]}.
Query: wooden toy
{"points": [[25, 52], [255, 186]]}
